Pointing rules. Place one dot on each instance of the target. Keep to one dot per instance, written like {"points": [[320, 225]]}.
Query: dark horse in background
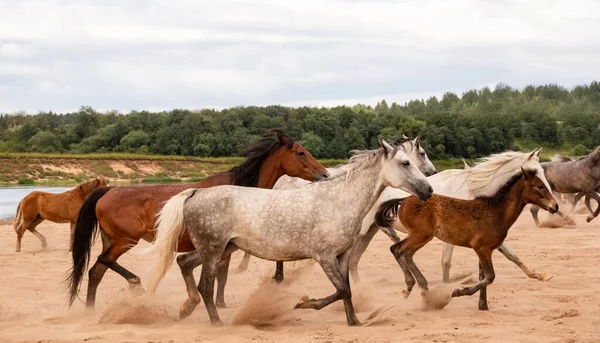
{"points": [[578, 176], [127, 214]]}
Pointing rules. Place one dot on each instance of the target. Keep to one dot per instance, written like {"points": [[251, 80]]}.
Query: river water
{"points": [[10, 197]]}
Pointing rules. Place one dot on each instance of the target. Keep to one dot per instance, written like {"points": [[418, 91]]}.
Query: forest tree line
{"points": [[477, 123]]}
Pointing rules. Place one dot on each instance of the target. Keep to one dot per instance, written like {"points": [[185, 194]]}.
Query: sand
{"points": [[33, 305]]}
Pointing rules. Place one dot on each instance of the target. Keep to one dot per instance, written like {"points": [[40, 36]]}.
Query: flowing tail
{"points": [[85, 230], [388, 212], [169, 226], [18, 218]]}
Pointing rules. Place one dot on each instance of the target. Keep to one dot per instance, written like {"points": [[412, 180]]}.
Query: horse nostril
{"points": [[430, 189]]}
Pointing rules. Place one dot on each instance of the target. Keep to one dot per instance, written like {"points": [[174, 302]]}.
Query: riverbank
{"points": [[68, 169]]}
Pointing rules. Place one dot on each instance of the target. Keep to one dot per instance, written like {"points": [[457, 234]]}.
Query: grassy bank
{"points": [[121, 168]]}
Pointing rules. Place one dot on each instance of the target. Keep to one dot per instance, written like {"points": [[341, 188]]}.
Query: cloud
{"points": [[160, 54]]}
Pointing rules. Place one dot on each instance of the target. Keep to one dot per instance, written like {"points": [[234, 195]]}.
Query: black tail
{"points": [[387, 212], [85, 230]]}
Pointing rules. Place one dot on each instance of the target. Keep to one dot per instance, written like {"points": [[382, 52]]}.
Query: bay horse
{"points": [[412, 147], [463, 184], [319, 221], [582, 175], [127, 214], [38, 206], [481, 224]]}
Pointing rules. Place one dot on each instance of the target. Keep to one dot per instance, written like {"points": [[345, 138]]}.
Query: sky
{"points": [[163, 54]]}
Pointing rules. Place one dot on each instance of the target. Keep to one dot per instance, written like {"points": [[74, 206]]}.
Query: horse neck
{"points": [[270, 170], [511, 205], [358, 190]]}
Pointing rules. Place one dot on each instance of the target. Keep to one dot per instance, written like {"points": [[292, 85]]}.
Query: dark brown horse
{"points": [[480, 224], [59, 208], [127, 214]]}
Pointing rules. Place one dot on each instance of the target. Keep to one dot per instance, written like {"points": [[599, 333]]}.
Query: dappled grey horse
{"points": [[189, 261], [321, 221], [579, 176], [412, 147], [574, 198]]}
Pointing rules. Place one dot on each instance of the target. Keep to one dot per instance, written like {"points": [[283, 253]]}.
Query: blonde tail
{"points": [[18, 219], [169, 226]]}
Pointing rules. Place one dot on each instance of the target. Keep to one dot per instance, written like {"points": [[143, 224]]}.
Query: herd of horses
{"points": [[282, 205]]}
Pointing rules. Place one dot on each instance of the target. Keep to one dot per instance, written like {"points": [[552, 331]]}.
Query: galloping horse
{"points": [[480, 224], [571, 197], [463, 184], [319, 221], [59, 208], [189, 261], [412, 147], [582, 175], [127, 214]]}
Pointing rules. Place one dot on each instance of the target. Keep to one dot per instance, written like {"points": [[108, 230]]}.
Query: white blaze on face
{"points": [[533, 164]]}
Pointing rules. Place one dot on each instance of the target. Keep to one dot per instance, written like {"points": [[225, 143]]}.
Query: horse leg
{"points": [[278, 277], [187, 263], [569, 220], [333, 269], [511, 256], [447, 250], [594, 195], [485, 260], [358, 249], [534, 212], [483, 291], [222, 273], [32, 228], [576, 199], [108, 259], [212, 256], [244, 264], [409, 279], [96, 273]]}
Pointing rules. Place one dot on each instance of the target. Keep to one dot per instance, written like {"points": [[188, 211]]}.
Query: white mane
{"points": [[492, 172]]}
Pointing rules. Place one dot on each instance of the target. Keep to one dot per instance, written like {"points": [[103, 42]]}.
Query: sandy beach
{"points": [[33, 299]]}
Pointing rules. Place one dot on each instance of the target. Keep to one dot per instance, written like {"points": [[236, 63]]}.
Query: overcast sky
{"points": [[164, 54]]}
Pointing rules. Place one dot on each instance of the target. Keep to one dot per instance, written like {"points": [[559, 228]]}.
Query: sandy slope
{"points": [[564, 309]]}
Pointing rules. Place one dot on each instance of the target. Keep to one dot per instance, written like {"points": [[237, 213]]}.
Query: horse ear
{"points": [[539, 152], [531, 154], [386, 147], [404, 136], [283, 138], [417, 141]]}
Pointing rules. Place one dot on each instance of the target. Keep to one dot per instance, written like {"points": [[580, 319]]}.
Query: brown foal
{"points": [[480, 224]]}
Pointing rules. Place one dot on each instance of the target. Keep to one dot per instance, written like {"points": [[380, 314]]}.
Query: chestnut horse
{"points": [[127, 214], [59, 208], [480, 224]]}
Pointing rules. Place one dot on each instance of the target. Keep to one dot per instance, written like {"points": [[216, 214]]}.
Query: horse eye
{"points": [[301, 153], [422, 154], [541, 187], [406, 163]]}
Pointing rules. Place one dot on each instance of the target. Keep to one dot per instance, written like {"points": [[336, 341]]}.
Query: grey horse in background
{"points": [[578, 176], [573, 198]]}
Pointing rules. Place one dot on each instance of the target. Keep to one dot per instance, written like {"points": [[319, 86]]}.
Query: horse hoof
{"points": [[483, 307], [187, 308], [405, 293], [589, 219], [543, 277], [303, 302], [136, 290], [455, 293], [221, 305]]}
